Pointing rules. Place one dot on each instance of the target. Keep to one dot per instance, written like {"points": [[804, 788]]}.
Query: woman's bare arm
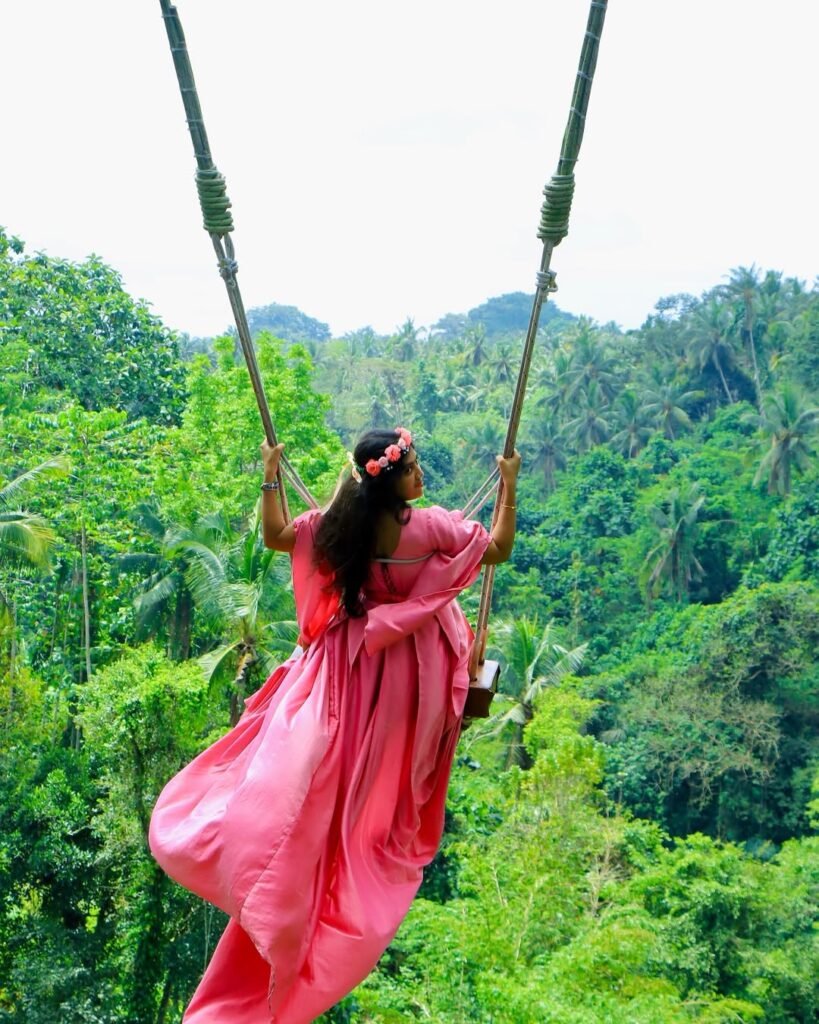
{"points": [[503, 532], [278, 535]]}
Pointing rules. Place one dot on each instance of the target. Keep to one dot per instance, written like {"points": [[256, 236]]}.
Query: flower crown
{"points": [[392, 454]]}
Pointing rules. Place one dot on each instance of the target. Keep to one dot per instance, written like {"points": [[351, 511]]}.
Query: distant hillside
{"points": [[503, 315], [499, 316]]}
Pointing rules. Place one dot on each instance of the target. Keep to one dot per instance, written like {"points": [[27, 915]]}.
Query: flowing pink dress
{"points": [[311, 821]]}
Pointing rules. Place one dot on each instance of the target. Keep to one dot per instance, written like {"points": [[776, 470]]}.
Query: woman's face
{"points": [[410, 482]]}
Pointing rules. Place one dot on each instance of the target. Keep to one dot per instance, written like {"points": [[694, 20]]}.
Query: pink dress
{"points": [[311, 821]]}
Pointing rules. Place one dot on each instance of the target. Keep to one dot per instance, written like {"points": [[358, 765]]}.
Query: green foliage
{"points": [[716, 728], [548, 900], [70, 328]]}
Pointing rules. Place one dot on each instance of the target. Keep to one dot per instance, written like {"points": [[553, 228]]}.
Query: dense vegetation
{"points": [[631, 839]]}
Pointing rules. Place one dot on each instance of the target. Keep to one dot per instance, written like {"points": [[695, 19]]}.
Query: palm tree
{"points": [[482, 443], [591, 426], [503, 364], [708, 331], [665, 403], [534, 657], [405, 344], [546, 442], [475, 345], [227, 575], [632, 419], [165, 597], [555, 383], [26, 540], [25, 537], [743, 286], [590, 363], [788, 423], [671, 558], [379, 414]]}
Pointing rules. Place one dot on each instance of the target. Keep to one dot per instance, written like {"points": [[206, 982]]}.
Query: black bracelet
{"points": [[274, 486]]}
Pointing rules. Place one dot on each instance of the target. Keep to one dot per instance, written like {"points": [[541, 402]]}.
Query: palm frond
{"points": [[56, 465]]}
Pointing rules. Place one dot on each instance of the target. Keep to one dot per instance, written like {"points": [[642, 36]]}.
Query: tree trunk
{"points": [[722, 378], [749, 329], [86, 606], [246, 662]]}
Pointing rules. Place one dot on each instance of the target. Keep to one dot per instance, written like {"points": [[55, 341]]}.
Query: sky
{"points": [[387, 160]]}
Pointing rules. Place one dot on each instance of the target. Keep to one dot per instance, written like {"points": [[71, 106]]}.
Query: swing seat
{"points": [[482, 690]]}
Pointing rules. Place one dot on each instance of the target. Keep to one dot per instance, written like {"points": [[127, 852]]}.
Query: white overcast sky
{"points": [[386, 160]]}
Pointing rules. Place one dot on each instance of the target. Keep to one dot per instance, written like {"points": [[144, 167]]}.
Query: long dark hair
{"points": [[345, 539]]}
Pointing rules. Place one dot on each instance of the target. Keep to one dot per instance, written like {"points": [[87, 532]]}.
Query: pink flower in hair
{"points": [[405, 435], [393, 453], [383, 462], [373, 468]]}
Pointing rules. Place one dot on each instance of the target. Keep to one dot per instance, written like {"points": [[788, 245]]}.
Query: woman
{"points": [[311, 821]]}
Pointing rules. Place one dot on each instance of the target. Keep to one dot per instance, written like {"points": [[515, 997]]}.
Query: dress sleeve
{"points": [[451, 534], [317, 601]]}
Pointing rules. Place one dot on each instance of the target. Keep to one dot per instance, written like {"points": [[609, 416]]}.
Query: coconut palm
{"points": [[632, 419], [26, 540], [503, 364], [546, 444], [475, 345], [404, 345], [665, 404], [787, 425], [165, 599], [378, 415], [671, 559], [554, 382], [482, 443], [744, 287], [228, 574], [590, 363], [25, 537], [591, 426], [534, 657], [709, 337]]}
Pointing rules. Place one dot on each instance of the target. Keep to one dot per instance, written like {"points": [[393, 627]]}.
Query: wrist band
{"points": [[509, 506], [274, 486]]}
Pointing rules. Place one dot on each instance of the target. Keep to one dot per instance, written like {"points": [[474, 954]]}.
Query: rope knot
{"points": [[557, 205], [213, 199]]}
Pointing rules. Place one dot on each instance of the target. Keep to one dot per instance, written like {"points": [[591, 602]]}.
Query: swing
{"points": [[554, 226]]}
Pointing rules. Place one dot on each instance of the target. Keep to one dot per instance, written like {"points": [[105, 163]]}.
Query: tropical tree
{"points": [[708, 331], [744, 287], [591, 426], [787, 424], [671, 559], [632, 419], [475, 345], [590, 363], [534, 657], [25, 537], [404, 345], [547, 446], [665, 403], [482, 443], [165, 599], [228, 574], [26, 540], [503, 364]]}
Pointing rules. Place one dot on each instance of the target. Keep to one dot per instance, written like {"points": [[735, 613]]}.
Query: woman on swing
{"points": [[311, 821]]}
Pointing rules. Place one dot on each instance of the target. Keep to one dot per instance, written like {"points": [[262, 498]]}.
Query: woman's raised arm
{"points": [[278, 535], [503, 532]]}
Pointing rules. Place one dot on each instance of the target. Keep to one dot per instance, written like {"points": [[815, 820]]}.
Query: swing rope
{"points": [[554, 226], [218, 222]]}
